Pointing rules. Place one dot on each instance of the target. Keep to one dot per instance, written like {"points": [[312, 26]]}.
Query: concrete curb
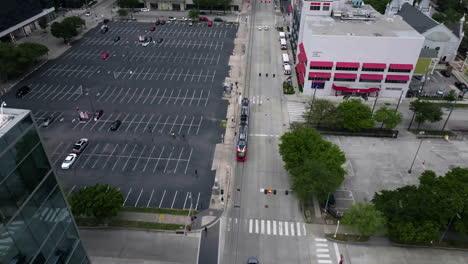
{"points": [[128, 228]]}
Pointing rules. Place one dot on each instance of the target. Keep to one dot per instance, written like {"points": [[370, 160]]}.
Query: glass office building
{"points": [[36, 225]]}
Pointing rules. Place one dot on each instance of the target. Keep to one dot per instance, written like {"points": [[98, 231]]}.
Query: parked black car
{"points": [[217, 19], [115, 125], [446, 73], [461, 86], [22, 91], [116, 38]]}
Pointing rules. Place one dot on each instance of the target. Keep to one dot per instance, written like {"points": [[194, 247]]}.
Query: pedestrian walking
{"points": [[196, 172], [183, 136], [206, 231], [149, 129], [173, 135]]}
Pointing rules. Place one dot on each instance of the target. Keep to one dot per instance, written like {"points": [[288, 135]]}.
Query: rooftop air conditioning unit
{"points": [[357, 3]]}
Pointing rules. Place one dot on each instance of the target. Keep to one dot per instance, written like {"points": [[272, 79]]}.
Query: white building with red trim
{"points": [[345, 47]]}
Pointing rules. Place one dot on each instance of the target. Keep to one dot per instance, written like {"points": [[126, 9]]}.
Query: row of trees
{"points": [[16, 59], [68, 28], [421, 213], [314, 164], [415, 214], [352, 115]]}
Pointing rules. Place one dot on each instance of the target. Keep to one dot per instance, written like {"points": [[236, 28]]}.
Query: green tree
{"points": [[225, 4], [100, 201], [353, 115], [122, 12], [320, 112], [314, 164], [16, 59], [128, 3], [425, 111], [389, 118], [378, 5], [364, 219], [315, 177], [77, 22], [43, 22], [193, 14], [451, 96], [63, 30], [306, 143]]}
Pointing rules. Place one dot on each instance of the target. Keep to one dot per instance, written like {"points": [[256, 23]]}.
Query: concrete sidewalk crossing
{"points": [[267, 227]]}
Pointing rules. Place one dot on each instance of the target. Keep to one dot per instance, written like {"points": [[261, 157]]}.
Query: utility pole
{"points": [[448, 117], [399, 101], [416, 154]]}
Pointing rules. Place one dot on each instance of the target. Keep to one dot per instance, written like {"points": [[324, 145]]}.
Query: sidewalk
{"points": [[154, 218]]}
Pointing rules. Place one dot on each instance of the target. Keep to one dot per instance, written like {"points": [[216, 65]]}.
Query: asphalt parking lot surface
{"points": [[167, 96]]}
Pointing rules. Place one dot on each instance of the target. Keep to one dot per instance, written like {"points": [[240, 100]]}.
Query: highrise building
{"points": [[36, 224]]}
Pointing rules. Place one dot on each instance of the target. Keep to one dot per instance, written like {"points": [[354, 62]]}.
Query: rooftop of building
{"points": [[416, 18], [9, 117], [364, 21]]}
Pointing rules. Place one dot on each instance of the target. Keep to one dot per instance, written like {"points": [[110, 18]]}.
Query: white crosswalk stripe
{"points": [[296, 111], [268, 227], [322, 251]]}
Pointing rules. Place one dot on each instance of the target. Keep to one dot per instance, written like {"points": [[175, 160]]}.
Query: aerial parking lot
{"points": [[148, 99]]}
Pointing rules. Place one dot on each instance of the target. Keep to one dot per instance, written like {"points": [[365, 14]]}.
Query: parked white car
{"points": [[69, 160], [145, 10]]}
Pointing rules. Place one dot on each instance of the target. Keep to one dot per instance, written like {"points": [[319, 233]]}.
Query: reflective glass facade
{"points": [[36, 225]]}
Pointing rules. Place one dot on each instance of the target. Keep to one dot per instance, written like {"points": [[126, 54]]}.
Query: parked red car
{"points": [[152, 28], [105, 55], [210, 23], [203, 19]]}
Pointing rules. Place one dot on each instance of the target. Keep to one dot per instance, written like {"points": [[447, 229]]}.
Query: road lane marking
{"points": [[292, 229], [250, 225], [256, 226], [320, 240], [322, 250], [262, 226], [324, 261], [274, 228], [321, 245], [286, 231], [280, 228], [298, 228], [337, 252], [323, 255]]}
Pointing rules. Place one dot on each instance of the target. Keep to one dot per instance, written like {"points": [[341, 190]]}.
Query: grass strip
{"points": [[92, 222], [159, 211], [348, 237]]}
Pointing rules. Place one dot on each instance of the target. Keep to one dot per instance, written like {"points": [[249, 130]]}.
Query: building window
{"points": [[318, 85], [315, 6], [395, 81], [373, 69], [320, 68], [398, 70], [346, 69], [343, 80], [318, 79], [326, 8], [369, 81], [394, 88]]}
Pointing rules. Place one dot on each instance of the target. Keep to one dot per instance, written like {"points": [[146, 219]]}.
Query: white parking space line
{"points": [[112, 153], [138, 197], [169, 159], [178, 160], [71, 191], [151, 197], [150, 156], [186, 197], [129, 157], [160, 154], [89, 155], [97, 158], [188, 161], [118, 157], [162, 199], [128, 194], [141, 154], [198, 198], [173, 201]]}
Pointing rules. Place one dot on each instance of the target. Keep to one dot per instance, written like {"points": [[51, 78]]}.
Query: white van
{"points": [[283, 44], [282, 35], [287, 69], [285, 59]]}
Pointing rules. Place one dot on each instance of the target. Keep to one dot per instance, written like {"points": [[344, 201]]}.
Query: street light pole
{"points": [[190, 211], [415, 156], [448, 117], [399, 101]]}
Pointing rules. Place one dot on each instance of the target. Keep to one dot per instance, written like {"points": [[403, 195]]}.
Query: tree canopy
{"points": [[426, 111], [389, 118], [353, 115], [128, 3], [314, 163], [16, 59], [418, 213], [364, 219], [100, 201], [193, 14], [63, 30], [320, 112]]}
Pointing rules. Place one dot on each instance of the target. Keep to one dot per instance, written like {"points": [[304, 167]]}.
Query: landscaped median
{"points": [[142, 218]]}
